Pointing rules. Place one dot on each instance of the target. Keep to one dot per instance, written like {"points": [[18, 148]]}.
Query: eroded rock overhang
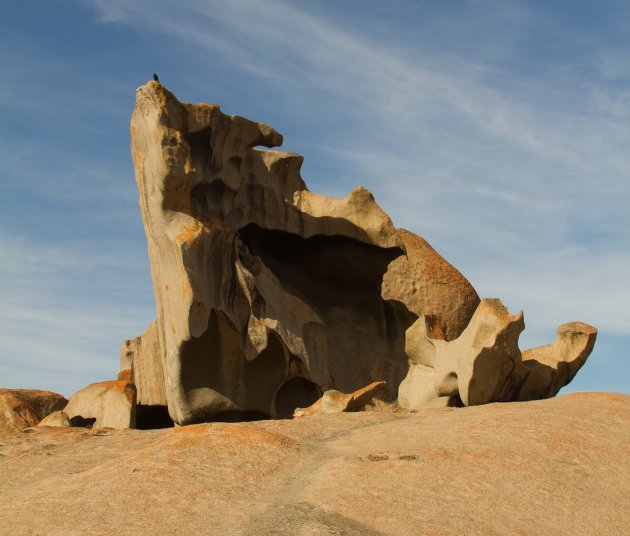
{"points": [[268, 295]]}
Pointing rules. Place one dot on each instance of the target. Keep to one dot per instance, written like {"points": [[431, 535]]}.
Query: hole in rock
{"points": [[295, 393], [211, 361], [151, 417], [200, 151], [82, 421], [208, 198], [234, 165], [340, 278], [215, 192]]}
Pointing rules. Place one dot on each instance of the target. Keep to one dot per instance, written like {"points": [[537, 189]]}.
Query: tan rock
{"points": [[268, 295], [335, 402], [106, 404], [480, 364], [551, 367], [428, 285], [16, 414], [23, 408], [142, 356], [484, 364], [42, 402], [56, 418], [261, 286], [417, 390], [549, 467]]}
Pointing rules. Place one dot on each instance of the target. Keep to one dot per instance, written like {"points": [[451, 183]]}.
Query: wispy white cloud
{"points": [[519, 179], [514, 171], [65, 310]]}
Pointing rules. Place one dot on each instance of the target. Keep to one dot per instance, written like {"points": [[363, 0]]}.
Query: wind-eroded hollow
{"points": [[295, 393], [340, 278], [200, 150]]}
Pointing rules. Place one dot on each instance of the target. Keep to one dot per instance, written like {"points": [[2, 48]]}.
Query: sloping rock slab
{"points": [[556, 466]]}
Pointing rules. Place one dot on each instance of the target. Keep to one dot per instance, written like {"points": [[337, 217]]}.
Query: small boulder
{"points": [[24, 408], [109, 404], [124, 375], [56, 418], [333, 401], [429, 285]]}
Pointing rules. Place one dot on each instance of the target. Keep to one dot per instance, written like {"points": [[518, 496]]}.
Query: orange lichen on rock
{"points": [[189, 233], [251, 436], [278, 294], [335, 402], [23, 408], [125, 375], [104, 404]]}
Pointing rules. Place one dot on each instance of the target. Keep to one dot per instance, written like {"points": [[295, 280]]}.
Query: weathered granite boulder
{"points": [[484, 364], [550, 367], [105, 404], [268, 295], [428, 285], [16, 414], [24, 408], [56, 418]]}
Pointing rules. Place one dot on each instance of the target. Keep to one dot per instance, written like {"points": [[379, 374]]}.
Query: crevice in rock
{"points": [[82, 422], [200, 149], [152, 417], [210, 198], [207, 360], [295, 393], [454, 402]]}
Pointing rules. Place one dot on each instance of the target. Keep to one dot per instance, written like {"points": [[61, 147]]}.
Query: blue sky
{"points": [[497, 130]]}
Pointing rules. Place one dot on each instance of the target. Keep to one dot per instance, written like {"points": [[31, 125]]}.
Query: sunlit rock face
{"points": [[268, 295], [484, 364]]}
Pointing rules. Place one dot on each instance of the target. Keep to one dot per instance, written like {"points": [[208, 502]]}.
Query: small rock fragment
{"points": [[335, 402]]}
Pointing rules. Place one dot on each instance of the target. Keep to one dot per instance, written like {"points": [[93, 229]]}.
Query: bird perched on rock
{"points": [[155, 77]]}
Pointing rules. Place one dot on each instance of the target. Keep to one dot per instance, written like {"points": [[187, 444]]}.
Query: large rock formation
{"points": [[267, 294]]}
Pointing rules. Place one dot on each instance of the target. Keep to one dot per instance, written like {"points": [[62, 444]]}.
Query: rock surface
{"points": [[268, 295], [556, 466], [141, 355], [484, 364], [336, 402], [56, 418], [551, 367], [104, 404], [23, 408], [428, 285]]}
